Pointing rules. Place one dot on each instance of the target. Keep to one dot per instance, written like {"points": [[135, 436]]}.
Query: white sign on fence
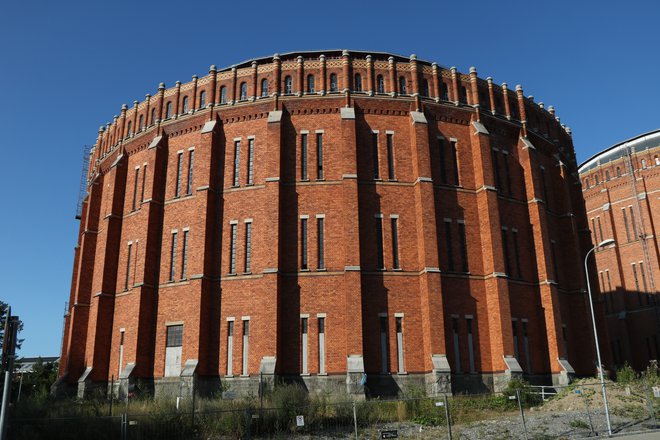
{"points": [[656, 392], [300, 420], [439, 403]]}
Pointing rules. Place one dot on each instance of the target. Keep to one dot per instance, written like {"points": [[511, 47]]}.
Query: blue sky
{"points": [[67, 67]]}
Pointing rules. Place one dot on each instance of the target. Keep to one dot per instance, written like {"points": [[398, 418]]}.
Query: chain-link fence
{"points": [[528, 412]]}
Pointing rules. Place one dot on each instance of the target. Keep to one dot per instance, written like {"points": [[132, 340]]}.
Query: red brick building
{"points": [[621, 188], [367, 221]]}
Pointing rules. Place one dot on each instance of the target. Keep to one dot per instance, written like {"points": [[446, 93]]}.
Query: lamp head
{"points": [[607, 242]]}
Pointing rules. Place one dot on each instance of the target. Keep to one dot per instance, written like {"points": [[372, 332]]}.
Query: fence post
{"points": [[112, 393], [355, 419], [447, 417], [586, 404], [522, 413], [650, 397], [193, 399]]}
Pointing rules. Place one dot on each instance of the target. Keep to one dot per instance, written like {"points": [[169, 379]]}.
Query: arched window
{"points": [[168, 110], [185, 105], [657, 160], [463, 95], [333, 82], [223, 95], [643, 164], [358, 83], [586, 183], [402, 85], [498, 105], [243, 93], [607, 176], [153, 115], [618, 172], [141, 123], [380, 84], [264, 87], [288, 86], [310, 83], [514, 110], [202, 99], [445, 92], [425, 87], [130, 128], [597, 179]]}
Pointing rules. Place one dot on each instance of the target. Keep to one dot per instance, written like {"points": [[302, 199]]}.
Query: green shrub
{"points": [[626, 375]]}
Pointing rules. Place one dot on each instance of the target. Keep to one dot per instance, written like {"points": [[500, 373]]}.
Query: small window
{"points": [[643, 160], [445, 92], [618, 172], [586, 183], [288, 86], [657, 160], [425, 87], [358, 83], [310, 83], [153, 115], [333, 82], [607, 176], [380, 84], [130, 128], [202, 99], [168, 110], [462, 95], [597, 179], [264, 87], [402, 85], [141, 122], [223, 95], [185, 105], [243, 95]]}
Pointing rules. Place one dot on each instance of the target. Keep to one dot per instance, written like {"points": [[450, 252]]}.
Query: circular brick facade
{"points": [[363, 221]]}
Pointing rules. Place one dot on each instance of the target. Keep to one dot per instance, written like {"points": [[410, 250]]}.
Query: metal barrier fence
{"points": [[575, 411]]}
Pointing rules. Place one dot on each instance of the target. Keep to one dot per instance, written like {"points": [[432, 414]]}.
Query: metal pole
{"points": [[355, 420], [447, 417], [522, 413], [593, 321], [586, 404], [112, 393], [193, 399], [20, 387], [649, 396]]}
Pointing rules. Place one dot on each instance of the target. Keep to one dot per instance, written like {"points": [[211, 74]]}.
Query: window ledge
{"points": [[322, 374], [247, 273], [304, 374], [397, 269], [244, 375], [304, 270], [229, 376], [402, 373], [232, 274], [321, 269]]}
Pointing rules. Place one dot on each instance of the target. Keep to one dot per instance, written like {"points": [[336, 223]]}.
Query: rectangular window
{"points": [[641, 272], [246, 334], [177, 190], [399, 345], [232, 249], [303, 244], [463, 246], [443, 164], [230, 347], [454, 158], [470, 344], [374, 153], [496, 170], [593, 229], [135, 188], [320, 242], [602, 281], [514, 325], [250, 177], [600, 230], [173, 256], [516, 252], [505, 250], [625, 221], [553, 253], [173, 345], [390, 156], [528, 359], [448, 244], [144, 182], [303, 157], [121, 351], [319, 156], [128, 265], [303, 346], [609, 280], [395, 243], [191, 159], [321, 345], [184, 263], [379, 242], [507, 173], [237, 161], [457, 347], [639, 295], [384, 356], [632, 221], [248, 247]]}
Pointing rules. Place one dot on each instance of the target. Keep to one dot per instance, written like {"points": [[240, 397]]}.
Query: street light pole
{"points": [[593, 321]]}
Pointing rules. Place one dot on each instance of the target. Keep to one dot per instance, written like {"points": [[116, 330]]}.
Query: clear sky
{"points": [[67, 67]]}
